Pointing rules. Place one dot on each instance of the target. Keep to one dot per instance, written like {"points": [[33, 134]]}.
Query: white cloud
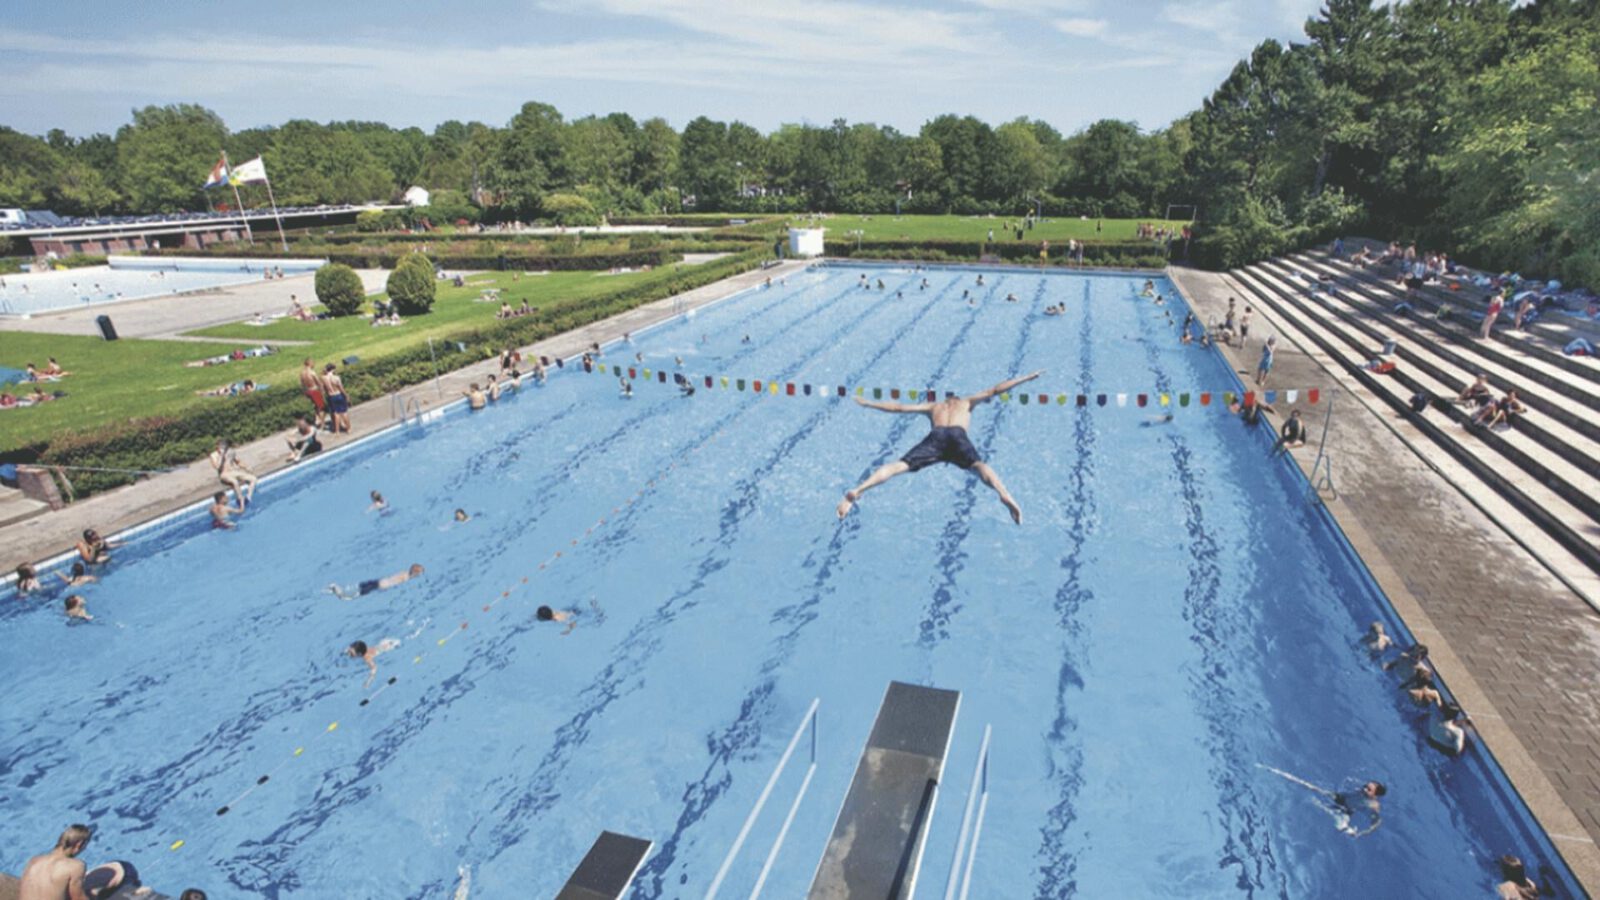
{"points": [[1081, 27], [1035, 7]]}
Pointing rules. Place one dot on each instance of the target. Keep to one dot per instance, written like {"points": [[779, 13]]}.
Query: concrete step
{"points": [[1569, 376], [1535, 517], [1567, 426], [1541, 340], [1573, 481]]}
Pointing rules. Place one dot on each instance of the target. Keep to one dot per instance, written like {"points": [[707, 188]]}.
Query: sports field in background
{"points": [[974, 228]]}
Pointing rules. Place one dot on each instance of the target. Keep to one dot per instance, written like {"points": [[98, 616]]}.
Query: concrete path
{"points": [[43, 536], [1518, 648], [165, 317]]}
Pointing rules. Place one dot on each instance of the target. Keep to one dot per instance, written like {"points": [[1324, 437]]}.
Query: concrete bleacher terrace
{"points": [[1544, 464], [65, 235]]}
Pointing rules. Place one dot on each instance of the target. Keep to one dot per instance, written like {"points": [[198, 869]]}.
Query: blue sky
{"points": [[83, 66]]}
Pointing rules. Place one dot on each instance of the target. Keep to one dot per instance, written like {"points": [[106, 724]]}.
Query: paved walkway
{"points": [[165, 317], [44, 536], [1519, 649]]}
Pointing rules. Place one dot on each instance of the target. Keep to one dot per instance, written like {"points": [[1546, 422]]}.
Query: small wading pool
{"points": [[1171, 616]]}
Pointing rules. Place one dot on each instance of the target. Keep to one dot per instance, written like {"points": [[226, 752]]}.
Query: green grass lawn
{"points": [[119, 380], [973, 228]]}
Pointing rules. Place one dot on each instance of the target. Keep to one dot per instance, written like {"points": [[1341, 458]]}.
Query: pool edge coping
{"points": [[1523, 774]]}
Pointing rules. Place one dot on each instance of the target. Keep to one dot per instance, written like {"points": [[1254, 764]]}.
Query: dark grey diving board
{"points": [[876, 846], [607, 869]]}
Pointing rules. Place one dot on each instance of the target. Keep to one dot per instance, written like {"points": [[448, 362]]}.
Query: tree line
{"points": [[1469, 125]]}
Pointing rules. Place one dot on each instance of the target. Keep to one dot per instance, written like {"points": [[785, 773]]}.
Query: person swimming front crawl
{"points": [[369, 655], [946, 442], [546, 614], [376, 584]]}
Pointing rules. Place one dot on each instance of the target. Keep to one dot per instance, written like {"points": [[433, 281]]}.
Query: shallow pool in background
{"points": [[1172, 614], [133, 278]]}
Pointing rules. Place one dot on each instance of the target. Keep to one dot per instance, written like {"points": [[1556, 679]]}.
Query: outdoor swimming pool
{"points": [[131, 278], [1172, 614]]}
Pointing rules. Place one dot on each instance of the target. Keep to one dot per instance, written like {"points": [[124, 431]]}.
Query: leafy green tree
{"points": [[164, 155], [411, 286], [339, 289], [28, 167], [527, 159]]}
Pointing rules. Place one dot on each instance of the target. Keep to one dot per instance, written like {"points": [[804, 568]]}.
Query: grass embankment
{"points": [[113, 382]]}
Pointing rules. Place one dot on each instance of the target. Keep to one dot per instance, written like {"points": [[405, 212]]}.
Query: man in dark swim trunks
{"points": [[947, 442]]}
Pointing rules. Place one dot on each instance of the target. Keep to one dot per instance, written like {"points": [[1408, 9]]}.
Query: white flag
{"points": [[252, 172]]}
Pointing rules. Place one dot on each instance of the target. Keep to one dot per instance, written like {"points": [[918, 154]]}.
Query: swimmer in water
{"points": [[1376, 639], [546, 614], [475, 397], [220, 510], [27, 579], [369, 655], [1162, 419], [79, 577], [377, 584], [626, 387], [946, 442], [76, 608], [1344, 806], [378, 503], [461, 515]]}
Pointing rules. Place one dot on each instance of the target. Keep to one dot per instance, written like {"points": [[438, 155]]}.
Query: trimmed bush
{"points": [[339, 289], [412, 286], [569, 210]]}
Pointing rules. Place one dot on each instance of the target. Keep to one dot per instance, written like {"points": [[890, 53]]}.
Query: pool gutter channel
{"points": [[1512, 764]]}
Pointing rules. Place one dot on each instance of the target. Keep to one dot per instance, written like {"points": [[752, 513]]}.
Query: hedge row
{"points": [[161, 442], [467, 258], [687, 220]]}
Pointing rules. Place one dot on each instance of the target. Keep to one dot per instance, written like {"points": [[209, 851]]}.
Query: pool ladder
{"points": [[808, 722], [405, 409], [1321, 476]]}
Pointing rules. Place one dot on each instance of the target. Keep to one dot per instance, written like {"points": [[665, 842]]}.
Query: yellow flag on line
{"points": [[861, 392], [1005, 398], [1164, 400], [724, 381]]}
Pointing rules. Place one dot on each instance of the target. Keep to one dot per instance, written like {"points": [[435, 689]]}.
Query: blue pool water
{"points": [[1171, 615], [132, 278]]}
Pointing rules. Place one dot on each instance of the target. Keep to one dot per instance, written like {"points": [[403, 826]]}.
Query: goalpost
{"points": [[1193, 211]]}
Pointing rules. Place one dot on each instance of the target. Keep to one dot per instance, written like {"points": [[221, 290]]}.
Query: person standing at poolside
{"points": [[311, 385], [57, 875], [1264, 368], [338, 401], [376, 584], [946, 442]]}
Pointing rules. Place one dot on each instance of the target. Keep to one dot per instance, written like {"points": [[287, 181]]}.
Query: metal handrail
{"points": [[979, 794], [809, 720], [1324, 460]]}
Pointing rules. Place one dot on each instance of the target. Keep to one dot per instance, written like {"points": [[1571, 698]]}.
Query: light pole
{"points": [[858, 233]]}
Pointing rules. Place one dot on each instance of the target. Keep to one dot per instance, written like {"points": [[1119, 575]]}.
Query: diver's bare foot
{"points": [[1016, 511], [848, 503]]}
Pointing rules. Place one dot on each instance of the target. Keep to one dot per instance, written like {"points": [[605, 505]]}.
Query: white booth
{"points": [[805, 242]]}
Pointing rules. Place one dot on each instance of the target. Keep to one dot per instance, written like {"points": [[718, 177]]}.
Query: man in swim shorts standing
{"points": [[311, 385], [947, 442]]}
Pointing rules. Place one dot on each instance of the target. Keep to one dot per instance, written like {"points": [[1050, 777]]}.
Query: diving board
{"points": [[877, 842], [607, 869]]}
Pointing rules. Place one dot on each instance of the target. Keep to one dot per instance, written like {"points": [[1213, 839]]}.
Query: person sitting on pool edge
{"points": [[1292, 434], [304, 442], [376, 584], [59, 873], [946, 442], [369, 655]]}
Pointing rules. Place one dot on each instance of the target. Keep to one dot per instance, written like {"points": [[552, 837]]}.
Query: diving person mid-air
{"points": [[947, 442]]}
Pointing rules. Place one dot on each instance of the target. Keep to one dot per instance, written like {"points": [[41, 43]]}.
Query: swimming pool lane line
{"points": [[1239, 809], [1058, 862], [701, 795], [537, 801], [555, 556]]}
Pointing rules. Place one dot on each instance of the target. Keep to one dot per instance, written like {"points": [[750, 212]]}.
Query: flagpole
{"points": [[237, 203], [281, 239]]}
